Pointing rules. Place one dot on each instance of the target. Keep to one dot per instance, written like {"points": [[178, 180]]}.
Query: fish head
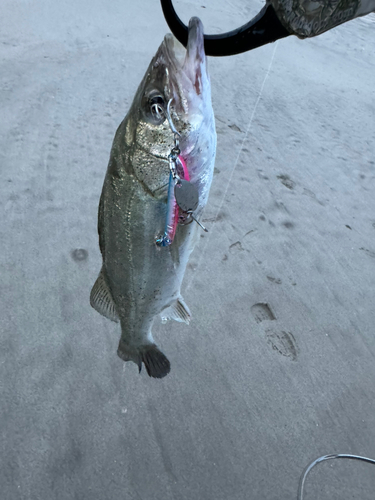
{"points": [[178, 75]]}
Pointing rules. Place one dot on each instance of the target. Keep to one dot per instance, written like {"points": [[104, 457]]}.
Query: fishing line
{"points": [[322, 459], [236, 162]]}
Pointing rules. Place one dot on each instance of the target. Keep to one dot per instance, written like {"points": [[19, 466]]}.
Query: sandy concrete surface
{"points": [[277, 366]]}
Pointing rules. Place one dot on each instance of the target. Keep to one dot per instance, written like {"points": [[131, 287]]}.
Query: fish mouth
{"points": [[192, 60], [195, 46]]}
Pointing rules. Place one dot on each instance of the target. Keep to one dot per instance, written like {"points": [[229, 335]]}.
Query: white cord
{"points": [[322, 459]]}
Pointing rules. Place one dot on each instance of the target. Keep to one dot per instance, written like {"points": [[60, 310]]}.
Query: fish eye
{"points": [[155, 108]]}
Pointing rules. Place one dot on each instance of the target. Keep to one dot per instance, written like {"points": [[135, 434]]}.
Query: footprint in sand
{"points": [[287, 181], [282, 342], [262, 312]]}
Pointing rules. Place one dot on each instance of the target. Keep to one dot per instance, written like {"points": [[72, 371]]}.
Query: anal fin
{"points": [[179, 311], [101, 299]]}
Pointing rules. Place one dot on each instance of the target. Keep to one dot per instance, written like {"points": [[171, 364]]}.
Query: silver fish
{"points": [[139, 279]]}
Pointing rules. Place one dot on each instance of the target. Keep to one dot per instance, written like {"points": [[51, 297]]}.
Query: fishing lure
{"points": [[183, 196]]}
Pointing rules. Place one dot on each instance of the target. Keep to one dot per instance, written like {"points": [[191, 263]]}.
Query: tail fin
{"points": [[156, 363]]}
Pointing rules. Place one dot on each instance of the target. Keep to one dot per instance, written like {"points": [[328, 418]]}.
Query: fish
{"points": [[141, 279]]}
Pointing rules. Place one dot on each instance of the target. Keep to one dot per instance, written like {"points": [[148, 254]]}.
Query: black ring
{"points": [[262, 29]]}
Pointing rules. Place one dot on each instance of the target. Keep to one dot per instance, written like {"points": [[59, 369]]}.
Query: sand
{"points": [[277, 366]]}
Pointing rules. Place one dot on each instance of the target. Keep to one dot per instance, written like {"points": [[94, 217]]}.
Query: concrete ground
{"points": [[277, 366]]}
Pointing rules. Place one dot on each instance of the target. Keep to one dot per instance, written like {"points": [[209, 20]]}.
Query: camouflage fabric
{"points": [[305, 18]]}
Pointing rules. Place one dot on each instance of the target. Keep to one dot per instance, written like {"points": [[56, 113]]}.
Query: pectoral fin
{"points": [[101, 299]]}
